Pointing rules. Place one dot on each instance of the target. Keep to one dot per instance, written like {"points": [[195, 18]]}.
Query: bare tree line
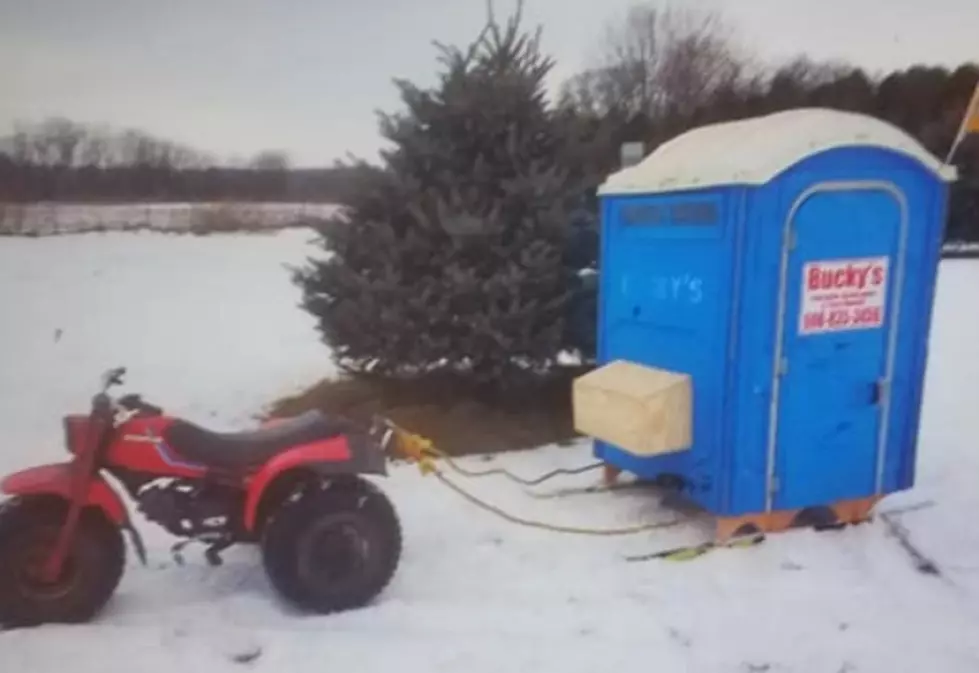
{"points": [[63, 143], [661, 71], [58, 159], [658, 62]]}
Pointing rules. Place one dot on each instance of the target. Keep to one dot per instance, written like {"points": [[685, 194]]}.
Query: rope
{"points": [[556, 528], [415, 447], [586, 490], [536, 481], [421, 451]]}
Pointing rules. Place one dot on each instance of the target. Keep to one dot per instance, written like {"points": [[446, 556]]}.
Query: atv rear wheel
{"points": [[333, 547], [92, 570]]}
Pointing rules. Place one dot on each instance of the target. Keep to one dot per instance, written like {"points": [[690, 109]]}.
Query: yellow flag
{"points": [[971, 124]]}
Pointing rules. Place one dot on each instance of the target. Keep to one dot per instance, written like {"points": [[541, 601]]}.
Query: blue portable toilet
{"points": [[787, 264]]}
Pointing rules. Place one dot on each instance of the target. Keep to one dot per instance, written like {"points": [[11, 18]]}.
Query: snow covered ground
{"points": [[209, 328]]}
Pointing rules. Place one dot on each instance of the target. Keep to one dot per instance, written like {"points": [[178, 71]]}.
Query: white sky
{"points": [[236, 76]]}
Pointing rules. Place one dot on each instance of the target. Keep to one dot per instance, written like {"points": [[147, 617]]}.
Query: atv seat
{"points": [[253, 447]]}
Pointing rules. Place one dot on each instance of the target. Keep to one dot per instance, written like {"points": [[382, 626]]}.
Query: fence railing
{"points": [[961, 250], [45, 219]]}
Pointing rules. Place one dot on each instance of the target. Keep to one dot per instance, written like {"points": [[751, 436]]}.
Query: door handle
{"points": [[878, 390]]}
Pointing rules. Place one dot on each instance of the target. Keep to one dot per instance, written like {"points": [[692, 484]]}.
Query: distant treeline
{"points": [[61, 160], [666, 71], [129, 184]]}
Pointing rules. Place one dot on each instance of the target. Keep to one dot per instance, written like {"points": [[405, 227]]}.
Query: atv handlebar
{"points": [[125, 407], [112, 377]]}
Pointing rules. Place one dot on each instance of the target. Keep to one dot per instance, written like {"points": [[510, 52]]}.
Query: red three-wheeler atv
{"points": [[330, 539]]}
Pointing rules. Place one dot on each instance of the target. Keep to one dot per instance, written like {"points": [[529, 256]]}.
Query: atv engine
{"points": [[191, 509]]}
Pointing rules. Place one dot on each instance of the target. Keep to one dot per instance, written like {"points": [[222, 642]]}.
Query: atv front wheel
{"points": [[93, 566], [334, 547]]}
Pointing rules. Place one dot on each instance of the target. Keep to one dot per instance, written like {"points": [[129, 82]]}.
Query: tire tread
{"points": [[105, 540], [285, 527]]}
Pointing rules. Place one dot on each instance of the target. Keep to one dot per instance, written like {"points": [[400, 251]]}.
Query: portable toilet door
{"points": [[859, 229], [845, 249]]}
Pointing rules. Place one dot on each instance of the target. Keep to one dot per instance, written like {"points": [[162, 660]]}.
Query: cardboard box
{"points": [[643, 410]]}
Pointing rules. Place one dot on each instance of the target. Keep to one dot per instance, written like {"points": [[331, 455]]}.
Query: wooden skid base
{"points": [[843, 512], [610, 474]]}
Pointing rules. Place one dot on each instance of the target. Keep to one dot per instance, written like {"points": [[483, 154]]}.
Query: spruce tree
{"points": [[461, 253]]}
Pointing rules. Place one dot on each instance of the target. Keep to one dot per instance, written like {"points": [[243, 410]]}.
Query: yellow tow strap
{"points": [[423, 453]]}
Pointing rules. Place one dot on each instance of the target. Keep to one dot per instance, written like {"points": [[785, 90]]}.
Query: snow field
{"points": [[210, 328]]}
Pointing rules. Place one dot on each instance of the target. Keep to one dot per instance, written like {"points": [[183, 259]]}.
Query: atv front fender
{"points": [[58, 479], [351, 454]]}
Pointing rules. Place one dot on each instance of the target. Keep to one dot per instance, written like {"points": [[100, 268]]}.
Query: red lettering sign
{"points": [[843, 294]]}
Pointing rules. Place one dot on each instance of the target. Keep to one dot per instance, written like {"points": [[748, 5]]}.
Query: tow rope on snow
{"points": [[557, 528], [534, 481], [523, 481], [423, 453]]}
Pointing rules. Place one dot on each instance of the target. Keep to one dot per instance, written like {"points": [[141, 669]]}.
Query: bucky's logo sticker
{"points": [[843, 294]]}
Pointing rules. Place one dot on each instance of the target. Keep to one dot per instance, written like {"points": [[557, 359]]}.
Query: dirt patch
{"points": [[458, 421]]}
